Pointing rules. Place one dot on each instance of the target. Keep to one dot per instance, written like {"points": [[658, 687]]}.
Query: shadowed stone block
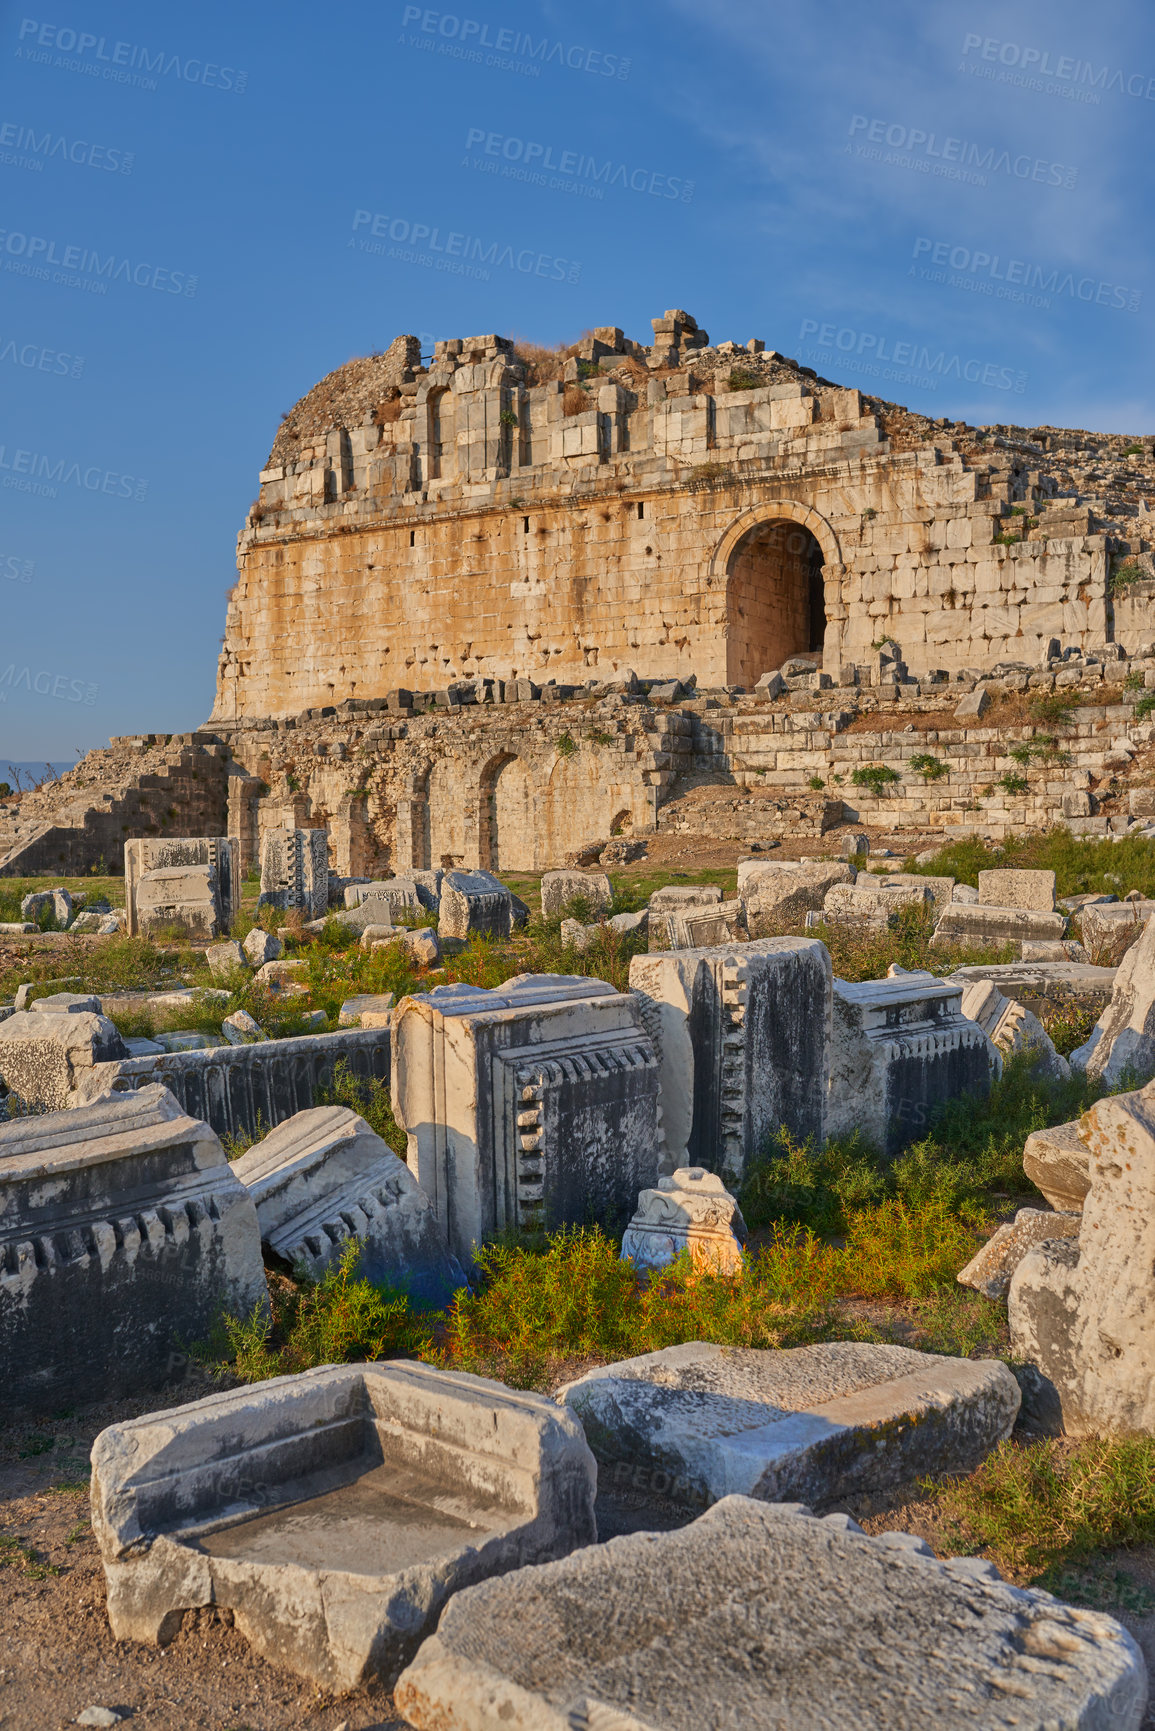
{"points": [[763, 1618], [385, 901], [866, 903], [214, 861], [1080, 1309], [46, 1055], [252, 1088], [691, 1211], [334, 1512], [901, 1048], [560, 888], [814, 1422], [1011, 1027], [123, 1231], [295, 871], [534, 1103], [323, 1178], [474, 902], [743, 1037], [782, 893]]}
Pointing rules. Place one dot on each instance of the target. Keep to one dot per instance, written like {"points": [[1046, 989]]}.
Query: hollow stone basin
{"points": [[335, 1512]]}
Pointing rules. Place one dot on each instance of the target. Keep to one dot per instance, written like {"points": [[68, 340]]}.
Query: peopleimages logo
{"points": [[460, 254], [1016, 279], [538, 164], [35, 255], [1033, 65], [38, 359], [43, 147], [44, 684], [32, 472], [119, 62], [466, 37], [907, 362], [953, 158]]}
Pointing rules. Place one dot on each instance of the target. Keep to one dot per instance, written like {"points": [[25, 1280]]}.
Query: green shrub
{"points": [[875, 776], [566, 745], [369, 1096], [1013, 784], [930, 768]]}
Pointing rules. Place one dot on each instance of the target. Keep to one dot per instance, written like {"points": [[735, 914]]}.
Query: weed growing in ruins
{"points": [[1145, 706], [1124, 576], [875, 776], [1082, 865], [1013, 784], [565, 745], [1037, 1510], [1053, 707], [369, 1096], [929, 767], [742, 381], [816, 782]]}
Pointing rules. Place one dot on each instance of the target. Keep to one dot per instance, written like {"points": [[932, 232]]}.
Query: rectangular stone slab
{"points": [[812, 1422], [1013, 888], [334, 1512], [123, 1231], [762, 1618], [964, 922]]}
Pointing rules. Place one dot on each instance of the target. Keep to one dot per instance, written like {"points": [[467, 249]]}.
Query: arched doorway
{"points": [[508, 816], [775, 604]]}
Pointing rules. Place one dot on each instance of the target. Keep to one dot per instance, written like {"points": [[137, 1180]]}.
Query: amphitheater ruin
{"points": [[496, 608]]}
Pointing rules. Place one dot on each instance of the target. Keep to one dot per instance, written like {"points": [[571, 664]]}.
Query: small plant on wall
{"points": [[930, 768], [875, 776]]}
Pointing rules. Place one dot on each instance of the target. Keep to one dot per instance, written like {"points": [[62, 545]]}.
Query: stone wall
{"points": [[683, 509]]}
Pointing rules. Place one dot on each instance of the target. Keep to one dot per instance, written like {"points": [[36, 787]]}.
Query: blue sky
{"points": [[945, 204]]}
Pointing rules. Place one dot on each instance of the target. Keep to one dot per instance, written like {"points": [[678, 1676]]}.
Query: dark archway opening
{"points": [[775, 601]]}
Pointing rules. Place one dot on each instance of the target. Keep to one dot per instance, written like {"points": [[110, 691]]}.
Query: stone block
{"points": [[145, 855], [239, 1029], [375, 1004], [1011, 1027], [901, 1048], [276, 976], [224, 959], [45, 1057], [261, 947], [58, 901], [974, 705], [697, 926], [533, 1104], [812, 1423], [1080, 1309], [782, 894], [1018, 889], [252, 1088], [691, 1211], [989, 1271], [1122, 1042], [806, 1624], [322, 1178], [1105, 925], [65, 1004], [560, 888], [422, 946], [973, 924], [864, 904], [180, 898], [941, 888], [379, 934], [743, 1038], [295, 871], [1057, 1161], [674, 898], [626, 924], [388, 900], [335, 1512], [123, 1230], [474, 902], [580, 938]]}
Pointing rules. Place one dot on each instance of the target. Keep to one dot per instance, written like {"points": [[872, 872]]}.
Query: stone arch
{"points": [[781, 563], [446, 805], [507, 815]]}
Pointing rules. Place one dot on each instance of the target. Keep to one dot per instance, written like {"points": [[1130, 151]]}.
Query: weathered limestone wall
{"points": [[678, 510]]}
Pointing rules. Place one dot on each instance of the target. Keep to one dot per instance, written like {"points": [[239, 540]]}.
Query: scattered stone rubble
{"points": [[123, 1230], [805, 1623], [333, 1513], [990, 1270]]}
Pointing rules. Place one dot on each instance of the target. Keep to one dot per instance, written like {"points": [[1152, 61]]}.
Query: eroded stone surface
{"points": [[989, 1271], [123, 1230], [324, 1177], [1122, 1042], [1057, 1161], [1014, 888], [758, 1618], [1081, 1309], [815, 1422], [45, 1056], [560, 888], [692, 1210], [474, 902], [334, 1512]]}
